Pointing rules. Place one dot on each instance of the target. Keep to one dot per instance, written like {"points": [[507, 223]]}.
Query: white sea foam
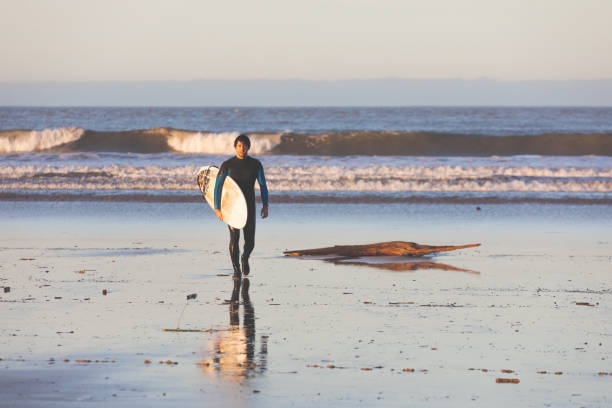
{"points": [[36, 140], [220, 143], [318, 178]]}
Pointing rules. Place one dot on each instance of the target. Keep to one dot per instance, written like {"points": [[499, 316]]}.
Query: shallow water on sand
{"points": [[535, 299]]}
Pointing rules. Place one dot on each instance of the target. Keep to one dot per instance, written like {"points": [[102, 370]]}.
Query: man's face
{"points": [[241, 150]]}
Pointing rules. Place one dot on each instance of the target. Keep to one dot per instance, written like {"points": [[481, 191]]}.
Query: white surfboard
{"points": [[233, 203]]}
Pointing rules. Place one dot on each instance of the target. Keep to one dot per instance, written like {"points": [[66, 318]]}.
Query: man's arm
{"points": [[263, 188], [221, 175]]}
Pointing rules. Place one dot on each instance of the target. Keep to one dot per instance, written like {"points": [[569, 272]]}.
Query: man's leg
{"points": [[234, 250], [249, 244]]}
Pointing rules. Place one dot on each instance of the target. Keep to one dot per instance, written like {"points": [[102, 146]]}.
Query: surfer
{"points": [[244, 169]]}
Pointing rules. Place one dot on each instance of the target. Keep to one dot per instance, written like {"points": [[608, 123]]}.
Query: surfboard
{"points": [[233, 203]]}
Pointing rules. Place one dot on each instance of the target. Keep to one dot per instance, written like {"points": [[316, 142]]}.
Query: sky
{"points": [[182, 40]]}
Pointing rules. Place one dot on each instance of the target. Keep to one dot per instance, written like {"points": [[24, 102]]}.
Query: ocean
{"points": [[394, 154]]}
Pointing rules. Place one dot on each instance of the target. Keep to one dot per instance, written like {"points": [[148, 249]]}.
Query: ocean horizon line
{"points": [[400, 92], [263, 107], [373, 79]]}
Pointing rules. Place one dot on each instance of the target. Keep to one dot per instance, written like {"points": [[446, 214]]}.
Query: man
{"points": [[244, 170]]}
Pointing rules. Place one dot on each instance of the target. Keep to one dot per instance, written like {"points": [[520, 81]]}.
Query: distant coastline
{"points": [[367, 92]]}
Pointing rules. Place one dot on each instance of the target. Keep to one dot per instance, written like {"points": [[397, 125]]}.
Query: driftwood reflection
{"points": [[399, 266]]}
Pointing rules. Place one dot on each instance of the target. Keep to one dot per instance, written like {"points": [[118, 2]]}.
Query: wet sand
{"points": [[93, 285]]}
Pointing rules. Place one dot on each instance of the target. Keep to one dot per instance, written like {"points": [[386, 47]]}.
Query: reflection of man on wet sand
{"points": [[234, 349]]}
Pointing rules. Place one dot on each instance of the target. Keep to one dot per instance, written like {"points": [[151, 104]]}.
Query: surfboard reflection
{"points": [[234, 351]]}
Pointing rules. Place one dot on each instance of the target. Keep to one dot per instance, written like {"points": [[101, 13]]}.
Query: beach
{"points": [[93, 285], [116, 282]]}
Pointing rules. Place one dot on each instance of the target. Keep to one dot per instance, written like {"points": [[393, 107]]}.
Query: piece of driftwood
{"points": [[188, 330], [391, 248]]}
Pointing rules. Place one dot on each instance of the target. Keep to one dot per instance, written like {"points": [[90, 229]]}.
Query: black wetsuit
{"points": [[244, 172]]}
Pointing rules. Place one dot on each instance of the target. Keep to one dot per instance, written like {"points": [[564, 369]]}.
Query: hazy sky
{"points": [[103, 40]]}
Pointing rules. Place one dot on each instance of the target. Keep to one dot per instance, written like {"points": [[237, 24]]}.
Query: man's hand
{"points": [[219, 215], [264, 212]]}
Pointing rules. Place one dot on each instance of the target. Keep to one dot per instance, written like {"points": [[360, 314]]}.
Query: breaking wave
{"points": [[155, 140], [26, 141], [220, 143], [365, 143]]}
